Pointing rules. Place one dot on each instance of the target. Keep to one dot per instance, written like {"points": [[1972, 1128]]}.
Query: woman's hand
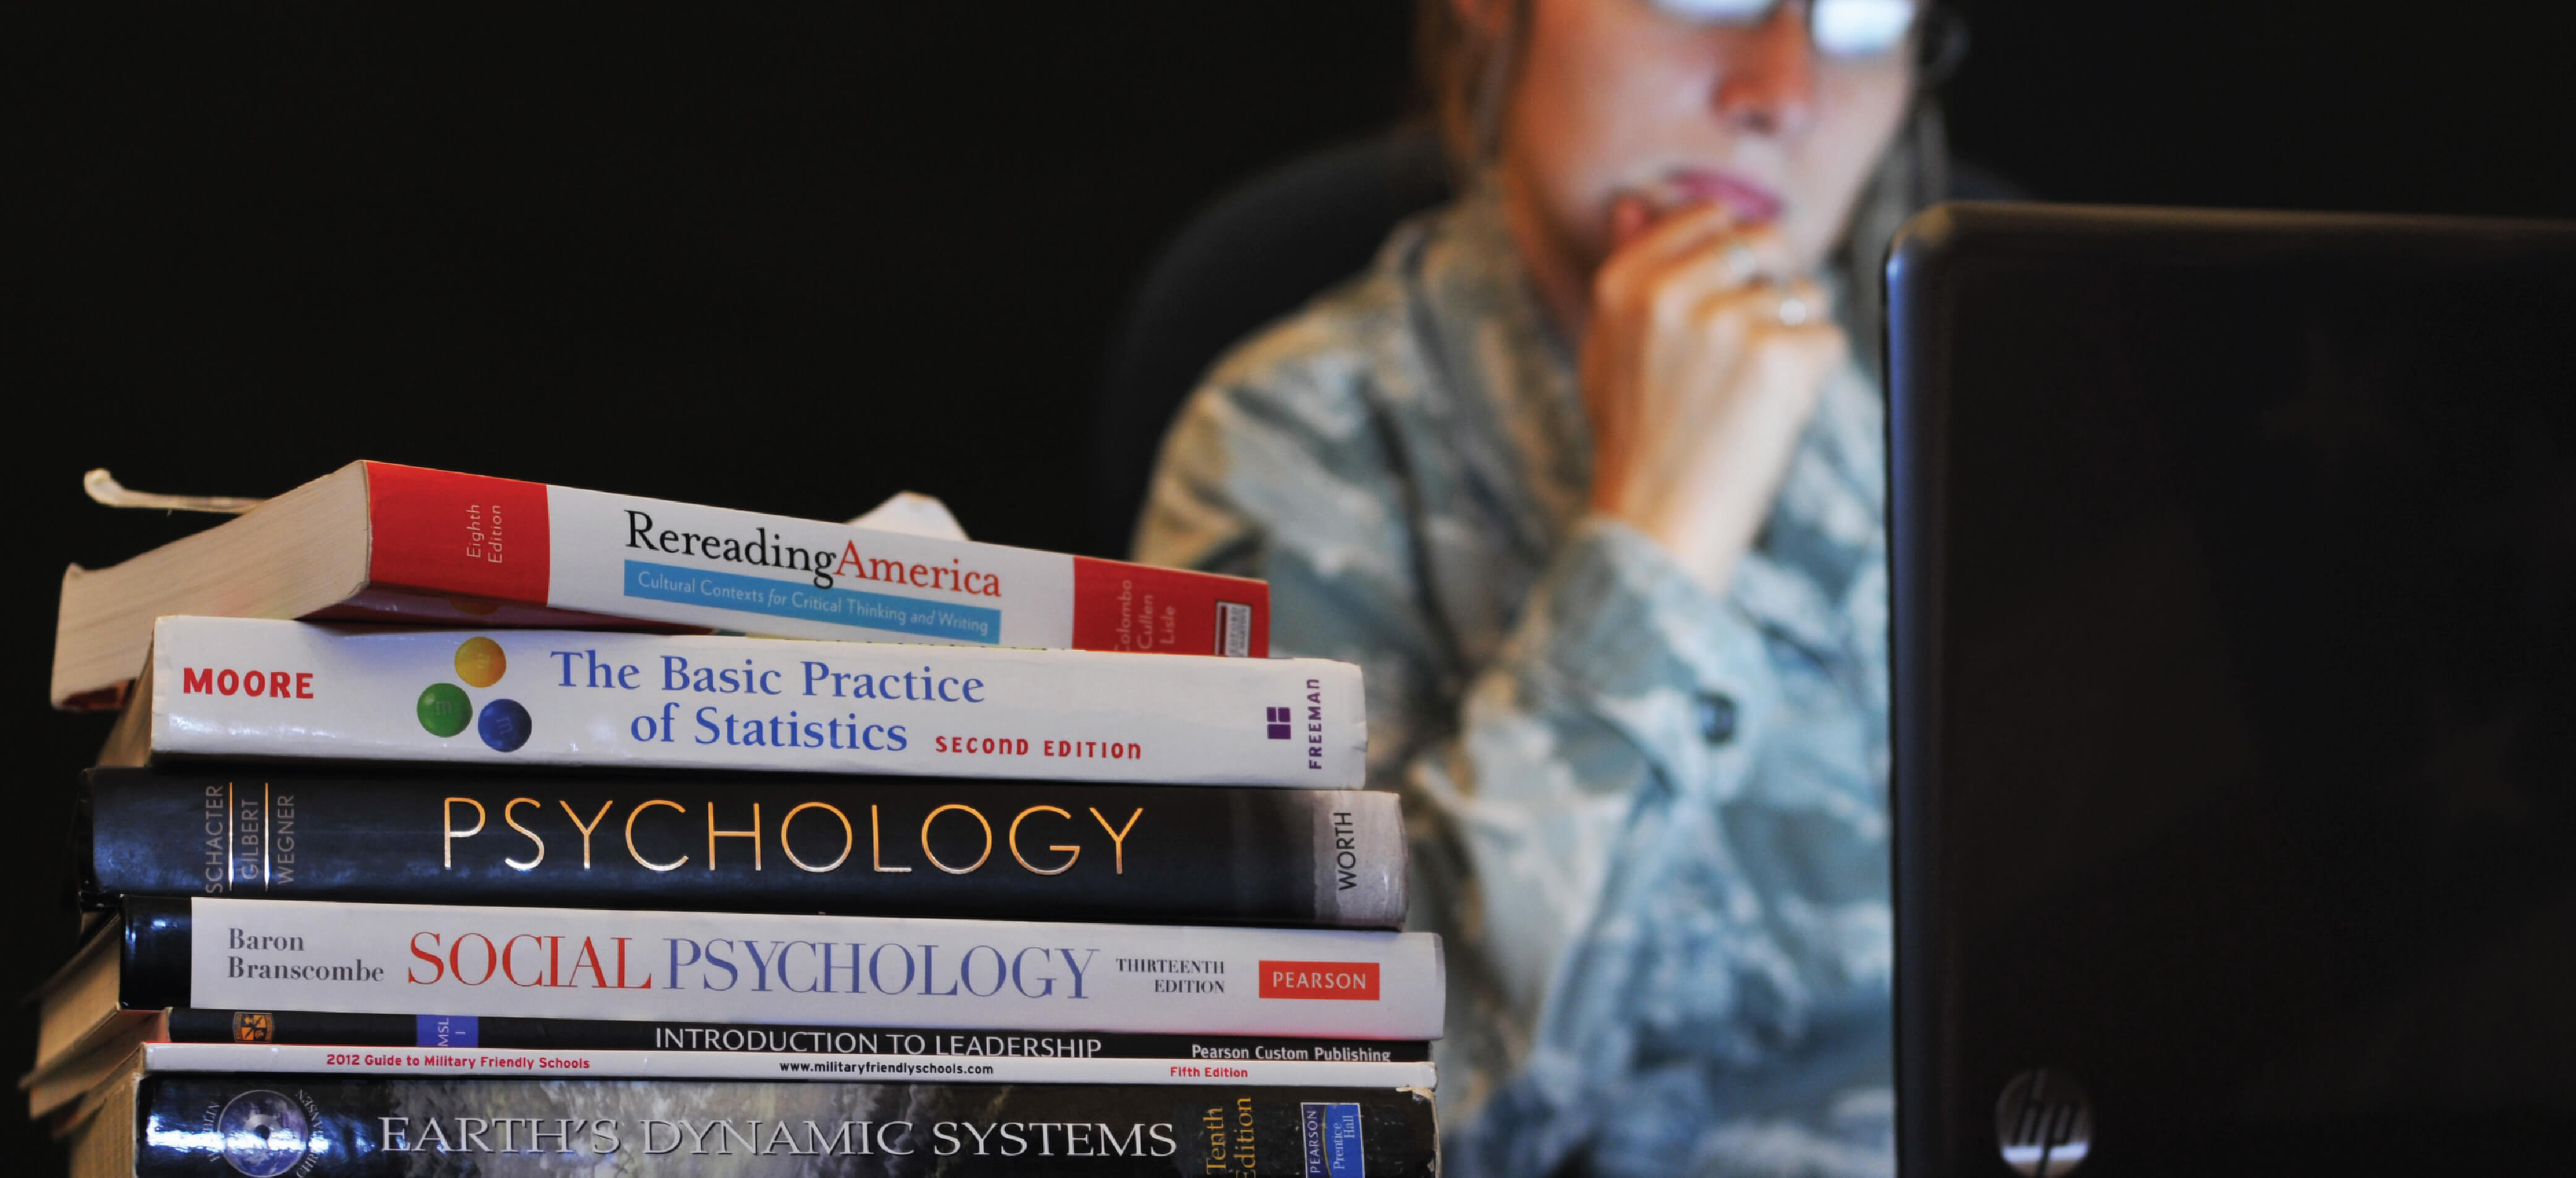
{"points": [[1700, 370]]}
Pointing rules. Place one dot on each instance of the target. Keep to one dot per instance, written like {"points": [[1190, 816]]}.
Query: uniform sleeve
{"points": [[1619, 670], [1644, 819], [1290, 476]]}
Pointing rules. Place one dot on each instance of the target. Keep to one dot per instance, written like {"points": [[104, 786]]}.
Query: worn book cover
{"points": [[378, 541]]}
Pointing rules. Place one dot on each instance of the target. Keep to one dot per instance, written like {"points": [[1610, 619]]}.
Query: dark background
{"points": [[795, 262]]}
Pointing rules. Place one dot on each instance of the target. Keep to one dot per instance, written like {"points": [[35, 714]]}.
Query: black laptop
{"points": [[2235, 665]]}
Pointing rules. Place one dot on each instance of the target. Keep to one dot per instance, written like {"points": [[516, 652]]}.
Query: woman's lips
{"points": [[1746, 201]]}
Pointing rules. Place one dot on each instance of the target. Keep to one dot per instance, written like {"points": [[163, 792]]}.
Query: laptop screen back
{"points": [[2235, 661]]}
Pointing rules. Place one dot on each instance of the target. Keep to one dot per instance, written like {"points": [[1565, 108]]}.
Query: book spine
{"points": [[195, 1125], [252, 688], [315, 1028], [807, 1067], [832, 970], [880, 846], [503, 540]]}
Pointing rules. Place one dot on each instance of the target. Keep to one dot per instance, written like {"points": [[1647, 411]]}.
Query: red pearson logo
{"points": [[1347, 981]]}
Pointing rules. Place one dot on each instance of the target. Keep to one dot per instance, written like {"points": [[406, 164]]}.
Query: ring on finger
{"points": [[1741, 263]]}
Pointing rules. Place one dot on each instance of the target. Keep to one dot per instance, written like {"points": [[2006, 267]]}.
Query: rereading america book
{"points": [[201, 1125], [242, 688], [411, 959], [883, 846], [377, 541]]}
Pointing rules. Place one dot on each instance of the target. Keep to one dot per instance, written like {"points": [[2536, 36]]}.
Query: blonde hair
{"points": [[1464, 75]]}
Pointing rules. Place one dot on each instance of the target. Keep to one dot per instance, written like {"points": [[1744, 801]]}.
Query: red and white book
{"points": [[575, 963], [559, 1063], [374, 541], [247, 688]]}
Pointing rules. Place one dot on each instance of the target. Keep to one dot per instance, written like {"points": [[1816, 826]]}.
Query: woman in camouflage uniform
{"points": [[1586, 475]]}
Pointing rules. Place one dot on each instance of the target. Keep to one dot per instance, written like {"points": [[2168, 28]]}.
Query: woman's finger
{"points": [[1671, 236], [1630, 217], [1796, 307], [1672, 287], [1738, 256]]}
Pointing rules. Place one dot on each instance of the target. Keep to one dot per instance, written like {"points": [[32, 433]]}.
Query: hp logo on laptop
{"points": [[2043, 1124]]}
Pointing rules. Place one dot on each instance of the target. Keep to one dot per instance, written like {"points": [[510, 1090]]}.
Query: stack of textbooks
{"points": [[457, 825]]}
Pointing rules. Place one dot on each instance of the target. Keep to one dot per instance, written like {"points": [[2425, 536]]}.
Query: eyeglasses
{"points": [[1839, 28]]}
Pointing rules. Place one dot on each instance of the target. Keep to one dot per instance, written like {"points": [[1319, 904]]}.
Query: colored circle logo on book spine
{"points": [[504, 725], [480, 663], [445, 710]]}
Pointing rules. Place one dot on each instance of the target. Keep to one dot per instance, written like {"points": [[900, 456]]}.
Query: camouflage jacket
{"points": [[1649, 821]]}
